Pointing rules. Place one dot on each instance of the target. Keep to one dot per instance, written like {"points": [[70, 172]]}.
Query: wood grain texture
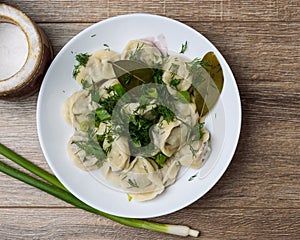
{"points": [[258, 197], [229, 10], [74, 224], [188, 10]]}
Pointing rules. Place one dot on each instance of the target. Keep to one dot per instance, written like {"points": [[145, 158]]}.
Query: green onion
{"points": [[102, 114], [55, 188], [118, 88], [30, 166]]}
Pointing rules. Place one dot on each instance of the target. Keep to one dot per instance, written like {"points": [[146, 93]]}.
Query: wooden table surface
{"points": [[258, 197]]}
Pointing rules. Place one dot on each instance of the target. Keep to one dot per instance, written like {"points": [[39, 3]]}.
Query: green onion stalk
{"points": [[52, 186]]}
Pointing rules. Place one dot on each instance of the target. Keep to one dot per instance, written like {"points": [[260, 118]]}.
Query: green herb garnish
{"points": [[110, 102], [82, 59], [160, 159], [139, 128], [127, 78], [107, 48], [133, 54], [183, 47], [174, 68], [193, 177], [175, 82], [91, 146], [194, 66], [157, 76], [165, 112], [132, 73], [101, 115], [133, 183]]}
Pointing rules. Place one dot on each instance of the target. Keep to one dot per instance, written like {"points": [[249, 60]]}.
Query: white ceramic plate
{"points": [[54, 133]]}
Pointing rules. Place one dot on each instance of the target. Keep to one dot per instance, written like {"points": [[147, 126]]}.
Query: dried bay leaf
{"points": [[208, 83], [132, 73]]}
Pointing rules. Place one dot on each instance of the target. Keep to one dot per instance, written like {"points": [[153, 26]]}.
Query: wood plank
{"points": [[63, 11], [46, 224], [264, 171], [254, 51], [228, 10], [202, 11], [132, 6]]}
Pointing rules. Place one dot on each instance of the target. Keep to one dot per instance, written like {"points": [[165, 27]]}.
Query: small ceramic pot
{"points": [[29, 69]]}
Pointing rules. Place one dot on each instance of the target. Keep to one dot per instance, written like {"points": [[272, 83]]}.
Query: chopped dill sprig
{"points": [[193, 177], [91, 146], [133, 54], [195, 66], [107, 48], [133, 183], [183, 47]]}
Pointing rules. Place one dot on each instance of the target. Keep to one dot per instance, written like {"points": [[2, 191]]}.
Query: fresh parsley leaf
{"points": [[110, 102], [82, 59], [139, 128], [175, 82], [165, 112], [157, 76]]}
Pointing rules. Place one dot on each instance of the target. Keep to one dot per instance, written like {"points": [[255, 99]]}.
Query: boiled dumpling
{"points": [[195, 154], [142, 180], [144, 51], [110, 176], [78, 155], [188, 115], [98, 67], [77, 108], [104, 85], [119, 154], [168, 136], [169, 171], [176, 71], [136, 109]]}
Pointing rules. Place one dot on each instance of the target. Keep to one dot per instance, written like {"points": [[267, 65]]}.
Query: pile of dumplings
{"points": [[138, 176]]}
